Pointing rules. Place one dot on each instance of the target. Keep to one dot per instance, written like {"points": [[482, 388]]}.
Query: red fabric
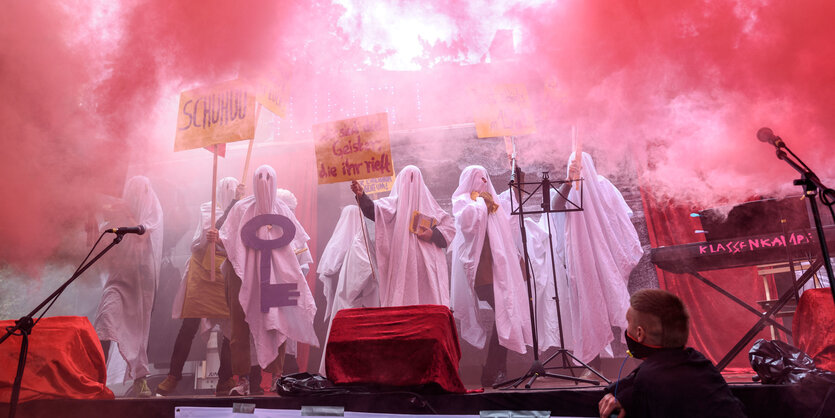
{"points": [[814, 327], [64, 361], [716, 322], [400, 346]]}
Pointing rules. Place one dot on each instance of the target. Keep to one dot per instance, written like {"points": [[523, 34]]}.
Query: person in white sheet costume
{"points": [[413, 268], [353, 283], [540, 267], [131, 273], [305, 258], [485, 266], [601, 249], [302, 254], [198, 297], [333, 257], [269, 329]]}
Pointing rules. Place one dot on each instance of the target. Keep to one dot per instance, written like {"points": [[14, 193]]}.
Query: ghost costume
{"points": [[302, 254], [355, 286], [197, 296], [601, 249], [131, 272], [474, 227], [330, 264], [412, 271], [269, 329], [541, 270]]}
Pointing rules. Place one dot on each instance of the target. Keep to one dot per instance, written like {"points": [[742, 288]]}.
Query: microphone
{"points": [[138, 230], [767, 135]]}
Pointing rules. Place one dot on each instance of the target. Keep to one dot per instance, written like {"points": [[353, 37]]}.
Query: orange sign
{"points": [[353, 149], [272, 94], [503, 110], [214, 115]]}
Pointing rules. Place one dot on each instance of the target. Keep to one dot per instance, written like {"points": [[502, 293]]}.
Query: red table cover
{"points": [[399, 346], [64, 361], [814, 327]]}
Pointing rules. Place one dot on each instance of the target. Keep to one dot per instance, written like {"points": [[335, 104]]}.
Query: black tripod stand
{"points": [[811, 185], [23, 326], [538, 369]]}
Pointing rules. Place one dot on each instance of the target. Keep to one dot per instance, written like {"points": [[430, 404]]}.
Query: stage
{"points": [[558, 397]]}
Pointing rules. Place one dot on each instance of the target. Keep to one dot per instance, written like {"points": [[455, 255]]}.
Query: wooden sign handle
{"points": [[251, 141], [212, 245]]}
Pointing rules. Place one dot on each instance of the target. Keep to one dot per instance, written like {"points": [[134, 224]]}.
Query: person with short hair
{"points": [[672, 380]]}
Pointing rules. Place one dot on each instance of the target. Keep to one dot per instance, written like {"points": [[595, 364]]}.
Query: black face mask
{"points": [[639, 350]]}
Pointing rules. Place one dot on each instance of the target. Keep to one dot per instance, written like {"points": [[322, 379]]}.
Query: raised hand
{"points": [[356, 188]]}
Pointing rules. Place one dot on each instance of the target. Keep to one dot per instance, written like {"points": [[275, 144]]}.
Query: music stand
{"points": [[545, 186]]}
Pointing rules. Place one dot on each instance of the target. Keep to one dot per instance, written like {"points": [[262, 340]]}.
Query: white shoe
{"points": [[242, 389]]}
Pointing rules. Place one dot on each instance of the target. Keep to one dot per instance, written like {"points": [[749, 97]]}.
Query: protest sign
{"points": [[217, 114], [353, 149], [503, 110], [272, 93], [377, 187]]}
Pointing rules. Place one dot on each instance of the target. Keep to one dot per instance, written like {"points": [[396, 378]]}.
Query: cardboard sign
{"points": [[353, 149], [503, 110], [272, 94], [213, 115], [378, 186]]}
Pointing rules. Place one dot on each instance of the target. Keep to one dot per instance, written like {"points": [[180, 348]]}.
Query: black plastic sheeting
{"points": [[779, 363]]}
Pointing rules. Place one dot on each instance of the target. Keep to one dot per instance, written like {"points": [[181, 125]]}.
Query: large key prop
{"points": [[281, 294]]}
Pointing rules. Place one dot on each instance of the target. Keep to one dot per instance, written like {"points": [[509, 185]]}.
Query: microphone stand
{"points": [[811, 183], [24, 325]]}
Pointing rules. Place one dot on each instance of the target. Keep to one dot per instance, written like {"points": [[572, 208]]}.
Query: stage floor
{"points": [[560, 397]]}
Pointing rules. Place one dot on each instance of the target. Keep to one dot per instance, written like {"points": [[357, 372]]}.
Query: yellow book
{"points": [[420, 221]]}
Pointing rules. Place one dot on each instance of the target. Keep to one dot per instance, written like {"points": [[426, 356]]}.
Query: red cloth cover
{"points": [[64, 361], [400, 346], [814, 327]]}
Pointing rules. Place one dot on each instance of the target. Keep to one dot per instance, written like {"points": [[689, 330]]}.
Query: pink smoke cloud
{"points": [[678, 87]]}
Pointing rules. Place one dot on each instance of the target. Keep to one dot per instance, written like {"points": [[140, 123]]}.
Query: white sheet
{"points": [[131, 272], [271, 329], [601, 248], [472, 223], [412, 271]]}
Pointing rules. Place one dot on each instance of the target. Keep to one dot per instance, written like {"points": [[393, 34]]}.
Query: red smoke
{"points": [[684, 86], [681, 87]]}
